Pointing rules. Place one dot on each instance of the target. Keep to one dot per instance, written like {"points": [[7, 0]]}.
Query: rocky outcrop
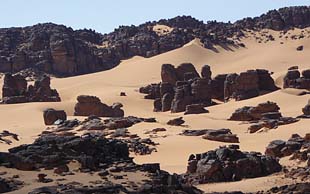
{"points": [[15, 90], [182, 88], [297, 146], [229, 164], [92, 105], [195, 109], [264, 115], [51, 115], [38, 154], [248, 84], [95, 154], [249, 113], [62, 51], [295, 79]]}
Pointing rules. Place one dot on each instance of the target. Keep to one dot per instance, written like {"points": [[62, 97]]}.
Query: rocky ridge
{"points": [[62, 51]]}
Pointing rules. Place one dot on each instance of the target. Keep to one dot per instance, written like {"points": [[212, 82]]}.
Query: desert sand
{"points": [[173, 150]]}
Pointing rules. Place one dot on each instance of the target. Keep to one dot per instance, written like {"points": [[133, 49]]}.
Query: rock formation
{"points": [[229, 164], [92, 105], [248, 84], [15, 90], [263, 115], [295, 79], [182, 88], [62, 51], [297, 146]]}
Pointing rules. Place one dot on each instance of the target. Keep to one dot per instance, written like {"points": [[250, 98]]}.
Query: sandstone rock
{"points": [[206, 72], [306, 109], [15, 90], [51, 115], [91, 105], [168, 74]]}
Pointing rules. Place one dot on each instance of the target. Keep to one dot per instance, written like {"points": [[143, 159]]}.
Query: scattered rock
{"points": [[51, 115], [195, 109], [176, 122], [300, 48]]}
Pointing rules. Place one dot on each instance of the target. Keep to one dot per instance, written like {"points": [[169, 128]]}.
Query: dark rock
{"points": [[229, 164], [51, 115], [222, 135], [184, 68], [168, 74], [306, 109], [195, 109], [300, 48], [15, 90], [176, 122], [206, 72]]}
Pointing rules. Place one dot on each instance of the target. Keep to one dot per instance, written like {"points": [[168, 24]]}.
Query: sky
{"points": [[104, 16]]}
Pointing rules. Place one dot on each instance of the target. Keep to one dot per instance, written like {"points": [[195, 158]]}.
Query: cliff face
{"points": [[59, 50]]}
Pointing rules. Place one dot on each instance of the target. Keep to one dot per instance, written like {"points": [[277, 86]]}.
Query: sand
{"points": [[27, 121]]}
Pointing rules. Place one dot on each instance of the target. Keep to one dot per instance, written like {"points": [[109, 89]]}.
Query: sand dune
{"points": [[173, 151]]}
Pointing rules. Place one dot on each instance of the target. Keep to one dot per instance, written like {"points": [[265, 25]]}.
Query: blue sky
{"points": [[104, 16]]}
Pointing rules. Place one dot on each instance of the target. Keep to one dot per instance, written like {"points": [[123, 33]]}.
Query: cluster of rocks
{"points": [[9, 184], [94, 153], [293, 79], [263, 115], [229, 164], [222, 135], [182, 88], [5, 136], [92, 105], [62, 51], [109, 128], [51, 151], [15, 90], [297, 146]]}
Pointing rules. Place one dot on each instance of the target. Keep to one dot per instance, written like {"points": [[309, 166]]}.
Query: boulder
{"points": [[51, 115], [195, 109], [92, 105], [176, 122]]}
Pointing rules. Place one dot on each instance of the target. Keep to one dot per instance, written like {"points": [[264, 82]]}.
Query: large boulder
{"points": [[92, 105], [51, 115]]}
